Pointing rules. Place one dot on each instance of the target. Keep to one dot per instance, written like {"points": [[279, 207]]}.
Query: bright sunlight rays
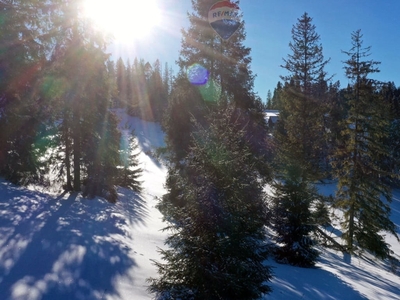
{"points": [[126, 20]]}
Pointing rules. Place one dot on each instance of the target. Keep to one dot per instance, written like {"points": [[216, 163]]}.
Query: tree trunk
{"points": [[77, 150]]}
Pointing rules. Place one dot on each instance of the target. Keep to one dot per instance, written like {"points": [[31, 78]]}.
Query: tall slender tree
{"points": [[363, 194], [302, 102], [122, 84], [300, 143]]}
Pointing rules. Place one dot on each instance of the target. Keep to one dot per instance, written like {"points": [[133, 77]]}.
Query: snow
{"points": [[62, 246]]}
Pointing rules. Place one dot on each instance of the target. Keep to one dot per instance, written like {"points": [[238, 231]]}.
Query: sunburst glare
{"points": [[126, 20]]}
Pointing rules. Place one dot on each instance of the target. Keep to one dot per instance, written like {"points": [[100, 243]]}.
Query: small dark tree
{"points": [[292, 219], [185, 102], [276, 100], [268, 104], [129, 172], [122, 84]]}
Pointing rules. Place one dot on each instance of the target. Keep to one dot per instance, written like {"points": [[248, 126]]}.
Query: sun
{"points": [[126, 20]]}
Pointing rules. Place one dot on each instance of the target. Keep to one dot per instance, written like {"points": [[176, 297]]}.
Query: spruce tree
{"points": [[300, 144], [269, 100], [276, 97], [228, 62], [215, 167], [157, 96], [215, 246], [122, 84], [185, 102], [129, 171], [25, 42], [228, 65], [292, 219], [363, 194], [303, 107]]}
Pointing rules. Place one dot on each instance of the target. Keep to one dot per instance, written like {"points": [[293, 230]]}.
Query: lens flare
{"points": [[197, 74], [211, 91]]}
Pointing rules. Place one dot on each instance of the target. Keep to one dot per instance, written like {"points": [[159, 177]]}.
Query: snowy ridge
{"points": [[67, 247]]}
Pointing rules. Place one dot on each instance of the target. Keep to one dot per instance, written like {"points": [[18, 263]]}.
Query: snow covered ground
{"points": [[62, 246]]}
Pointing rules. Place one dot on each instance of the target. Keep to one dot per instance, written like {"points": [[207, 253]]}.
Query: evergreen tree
{"points": [[184, 103], [25, 41], [216, 241], [167, 79], [112, 81], [303, 107], [276, 97], [391, 95], [136, 85], [361, 186], [337, 111], [157, 95], [228, 62], [129, 172], [292, 219], [122, 84], [228, 65], [393, 144], [129, 87], [300, 144], [269, 100]]}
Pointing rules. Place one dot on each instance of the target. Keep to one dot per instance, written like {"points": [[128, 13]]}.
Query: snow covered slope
{"points": [[60, 247]]}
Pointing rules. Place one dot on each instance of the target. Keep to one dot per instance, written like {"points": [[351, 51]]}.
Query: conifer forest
{"points": [[240, 190]]}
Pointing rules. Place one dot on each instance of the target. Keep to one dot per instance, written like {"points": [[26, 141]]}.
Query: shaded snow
{"points": [[66, 247]]}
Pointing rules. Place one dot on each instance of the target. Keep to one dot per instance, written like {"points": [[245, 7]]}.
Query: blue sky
{"points": [[268, 24]]}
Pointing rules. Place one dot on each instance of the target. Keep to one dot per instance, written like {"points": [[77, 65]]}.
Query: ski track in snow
{"points": [[67, 247]]}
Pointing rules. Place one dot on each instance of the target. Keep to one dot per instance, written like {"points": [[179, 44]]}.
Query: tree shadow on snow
{"points": [[133, 205], [62, 248], [298, 283], [148, 134]]}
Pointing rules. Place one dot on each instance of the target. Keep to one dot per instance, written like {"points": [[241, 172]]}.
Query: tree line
{"points": [[141, 88]]}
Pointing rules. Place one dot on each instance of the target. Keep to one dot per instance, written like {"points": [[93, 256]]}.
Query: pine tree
{"points": [[363, 194], [122, 84], [276, 97], [292, 219], [228, 65], [25, 41], [129, 172], [269, 100], [303, 107], [216, 238], [185, 102], [227, 61], [300, 144], [112, 81], [393, 143], [157, 95], [129, 86]]}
